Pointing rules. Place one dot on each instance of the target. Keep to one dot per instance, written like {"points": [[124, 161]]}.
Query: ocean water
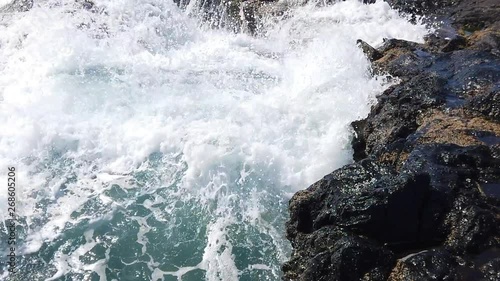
{"points": [[151, 147]]}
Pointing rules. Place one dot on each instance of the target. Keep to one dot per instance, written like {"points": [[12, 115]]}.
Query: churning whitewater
{"points": [[150, 147]]}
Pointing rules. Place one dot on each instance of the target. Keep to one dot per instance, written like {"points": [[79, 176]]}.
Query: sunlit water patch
{"points": [[150, 148]]}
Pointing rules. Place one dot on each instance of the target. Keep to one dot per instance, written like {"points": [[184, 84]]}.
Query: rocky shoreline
{"points": [[422, 199]]}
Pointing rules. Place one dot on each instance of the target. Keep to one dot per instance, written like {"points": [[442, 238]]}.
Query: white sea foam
{"points": [[239, 123]]}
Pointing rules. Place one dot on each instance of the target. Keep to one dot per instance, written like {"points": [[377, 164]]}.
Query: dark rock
{"points": [[421, 7], [250, 14], [435, 42], [488, 103], [395, 115], [454, 44], [469, 14], [432, 201], [487, 39], [351, 258], [467, 71], [458, 79], [475, 232], [309, 245], [332, 255], [17, 6], [390, 212], [359, 140], [435, 264], [369, 51], [401, 58], [397, 43], [405, 210], [472, 15], [491, 270], [484, 266], [490, 190], [439, 127], [423, 190]]}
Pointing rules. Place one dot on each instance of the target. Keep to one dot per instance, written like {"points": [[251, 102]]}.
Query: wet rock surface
{"points": [[421, 201]]}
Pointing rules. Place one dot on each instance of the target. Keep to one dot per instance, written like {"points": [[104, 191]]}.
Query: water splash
{"points": [[151, 148]]}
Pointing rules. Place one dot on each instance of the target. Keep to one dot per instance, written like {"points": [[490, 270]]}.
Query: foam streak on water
{"points": [[149, 148]]}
